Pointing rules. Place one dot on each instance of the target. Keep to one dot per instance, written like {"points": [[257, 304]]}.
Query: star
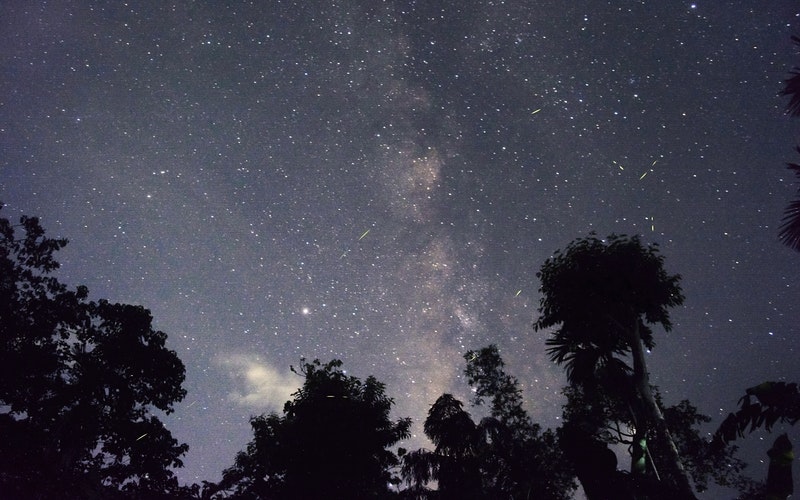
{"points": [[411, 169]]}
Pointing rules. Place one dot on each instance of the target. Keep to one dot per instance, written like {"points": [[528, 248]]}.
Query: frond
{"points": [[792, 88], [560, 350], [580, 362], [789, 232]]}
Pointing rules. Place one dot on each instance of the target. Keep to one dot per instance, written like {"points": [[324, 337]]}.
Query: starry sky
{"points": [[379, 181]]}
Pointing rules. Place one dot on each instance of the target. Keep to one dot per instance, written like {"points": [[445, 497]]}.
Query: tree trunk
{"points": [[673, 470], [780, 485]]}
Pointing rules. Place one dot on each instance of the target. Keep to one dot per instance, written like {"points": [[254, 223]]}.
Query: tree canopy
{"points": [[603, 295], [596, 291], [505, 455], [331, 442], [80, 380], [78, 384]]}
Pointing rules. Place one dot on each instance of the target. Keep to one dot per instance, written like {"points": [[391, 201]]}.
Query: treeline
{"points": [[79, 380]]}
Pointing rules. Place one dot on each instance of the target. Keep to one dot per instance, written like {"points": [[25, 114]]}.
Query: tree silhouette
{"points": [[455, 463], [789, 232], [331, 442], [522, 460], [78, 382], [602, 296], [505, 455], [597, 419]]}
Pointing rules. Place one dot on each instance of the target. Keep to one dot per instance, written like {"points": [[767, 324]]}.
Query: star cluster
{"points": [[379, 181]]}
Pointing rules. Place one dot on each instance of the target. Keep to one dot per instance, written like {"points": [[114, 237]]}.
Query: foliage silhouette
{"points": [[454, 464], [792, 87], [522, 460], [78, 382], [597, 419], [505, 455], [603, 296], [80, 379], [789, 231], [331, 442], [704, 459], [763, 405]]}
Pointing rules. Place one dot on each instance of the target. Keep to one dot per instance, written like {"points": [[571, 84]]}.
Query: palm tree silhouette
{"points": [[789, 232]]}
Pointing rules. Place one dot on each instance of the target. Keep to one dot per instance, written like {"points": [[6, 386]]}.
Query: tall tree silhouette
{"points": [[789, 231], [603, 296], [78, 382], [455, 463], [505, 455], [331, 442]]}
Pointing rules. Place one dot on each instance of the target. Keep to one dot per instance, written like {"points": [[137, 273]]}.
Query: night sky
{"points": [[379, 181]]}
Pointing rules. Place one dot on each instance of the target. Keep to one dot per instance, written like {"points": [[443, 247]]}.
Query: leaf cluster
{"points": [[594, 291], [78, 382], [702, 458], [332, 441], [763, 405], [505, 455], [789, 230]]}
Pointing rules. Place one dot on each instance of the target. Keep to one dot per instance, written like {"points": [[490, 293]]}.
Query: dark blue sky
{"points": [[221, 165]]}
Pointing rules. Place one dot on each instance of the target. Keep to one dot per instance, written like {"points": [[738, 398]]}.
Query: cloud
{"points": [[258, 385]]}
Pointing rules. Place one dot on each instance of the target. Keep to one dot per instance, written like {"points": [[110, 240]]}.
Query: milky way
{"points": [[380, 181]]}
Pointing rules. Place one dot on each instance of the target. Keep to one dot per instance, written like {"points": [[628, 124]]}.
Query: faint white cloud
{"points": [[258, 385]]}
